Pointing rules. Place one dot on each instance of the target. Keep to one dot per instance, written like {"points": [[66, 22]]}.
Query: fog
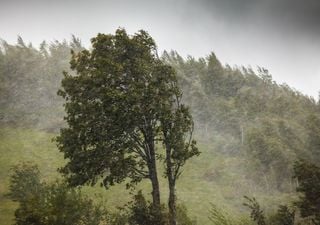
{"points": [[282, 35], [250, 131]]}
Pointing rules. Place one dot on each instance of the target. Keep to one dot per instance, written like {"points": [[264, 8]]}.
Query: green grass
{"points": [[211, 177], [24, 145]]}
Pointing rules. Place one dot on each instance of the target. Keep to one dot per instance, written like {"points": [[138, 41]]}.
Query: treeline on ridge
{"points": [[244, 112]]}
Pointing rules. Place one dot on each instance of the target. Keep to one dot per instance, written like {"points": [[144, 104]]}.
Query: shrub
{"points": [[50, 204]]}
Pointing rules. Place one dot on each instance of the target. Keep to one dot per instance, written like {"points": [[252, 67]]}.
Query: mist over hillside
{"points": [[250, 129]]}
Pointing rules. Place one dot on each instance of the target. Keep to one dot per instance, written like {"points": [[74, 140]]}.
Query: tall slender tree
{"points": [[177, 129]]}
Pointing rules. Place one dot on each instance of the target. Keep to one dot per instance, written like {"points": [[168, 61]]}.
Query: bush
{"points": [[141, 212], [257, 214], [284, 216], [219, 217], [50, 204]]}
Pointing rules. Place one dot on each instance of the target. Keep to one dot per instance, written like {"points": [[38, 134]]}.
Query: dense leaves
{"points": [[284, 216], [121, 102], [49, 204], [257, 213], [308, 176], [111, 107]]}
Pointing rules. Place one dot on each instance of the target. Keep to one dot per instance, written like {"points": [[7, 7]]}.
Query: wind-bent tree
{"points": [[177, 128], [121, 102]]}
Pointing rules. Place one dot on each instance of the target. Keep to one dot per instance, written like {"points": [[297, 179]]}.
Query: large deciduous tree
{"points": [[121, 102]]}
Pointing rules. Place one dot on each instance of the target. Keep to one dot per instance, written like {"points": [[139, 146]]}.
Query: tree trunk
{"points": [[172, 203], [172, 194], [154, 178], [155, 187], [152, 164]]}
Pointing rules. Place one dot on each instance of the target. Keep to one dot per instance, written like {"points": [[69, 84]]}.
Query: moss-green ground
{"points": [[211, 177]]}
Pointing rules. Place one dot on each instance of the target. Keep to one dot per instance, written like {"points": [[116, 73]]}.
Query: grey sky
{"points": [[281, 35]]}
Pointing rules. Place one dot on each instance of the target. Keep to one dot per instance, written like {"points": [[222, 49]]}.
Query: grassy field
{"points": [[24, 145], [211, 177]]}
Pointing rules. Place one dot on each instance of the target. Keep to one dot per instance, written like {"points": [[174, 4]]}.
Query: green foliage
{"points": [[269, 153], [308, 176], [24, 182], [142, 212], [224, 101], [118, 218], [257, 214], [182, 216], [55, 204], [284, 216], [31, 145], [113, 109], [21, 145], [313, 137], [245, 117], [219, 217], [264, 120], [122, 100]]}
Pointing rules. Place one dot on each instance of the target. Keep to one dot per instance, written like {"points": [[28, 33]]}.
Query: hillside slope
{"points": [[250, 129]]}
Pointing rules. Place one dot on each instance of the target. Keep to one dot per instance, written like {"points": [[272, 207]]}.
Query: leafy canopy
{"points": [[115, 105]]}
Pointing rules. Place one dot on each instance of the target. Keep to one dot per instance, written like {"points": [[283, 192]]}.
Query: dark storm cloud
{"points": [[297, 14]]}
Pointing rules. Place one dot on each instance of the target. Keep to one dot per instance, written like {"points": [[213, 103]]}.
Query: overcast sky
{"points": [[280, 35]]}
